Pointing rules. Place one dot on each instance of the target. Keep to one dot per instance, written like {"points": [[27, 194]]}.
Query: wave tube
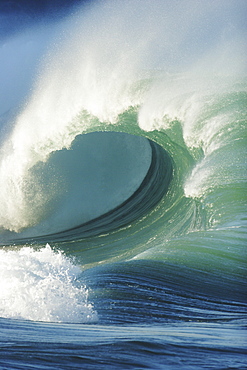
{"points": [[103, 182]]}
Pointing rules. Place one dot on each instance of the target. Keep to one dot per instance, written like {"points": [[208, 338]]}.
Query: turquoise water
{"points": [[123, 188]]}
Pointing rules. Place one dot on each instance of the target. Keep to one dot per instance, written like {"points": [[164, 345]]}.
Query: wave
{"points": [[163, 123]]}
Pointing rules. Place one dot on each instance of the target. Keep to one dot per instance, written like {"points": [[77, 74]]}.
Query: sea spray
{"points": [[41, 285]]}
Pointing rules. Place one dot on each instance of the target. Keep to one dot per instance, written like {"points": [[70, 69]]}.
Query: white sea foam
{"points": [[41, 285]]}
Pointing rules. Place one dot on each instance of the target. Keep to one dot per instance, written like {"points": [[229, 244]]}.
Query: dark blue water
{"points": [[173, 346]]}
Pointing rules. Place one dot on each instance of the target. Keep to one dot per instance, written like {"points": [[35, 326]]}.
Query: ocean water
{"points": [[123, 185]]}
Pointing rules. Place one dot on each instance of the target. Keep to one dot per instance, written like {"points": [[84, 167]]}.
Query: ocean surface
{"points": [[123, 185]]}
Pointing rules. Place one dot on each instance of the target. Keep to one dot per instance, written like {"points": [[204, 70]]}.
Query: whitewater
{"points": [[123, 185]]}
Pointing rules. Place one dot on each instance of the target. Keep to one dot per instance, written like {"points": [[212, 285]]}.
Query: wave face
{"points": [[123, 146]]}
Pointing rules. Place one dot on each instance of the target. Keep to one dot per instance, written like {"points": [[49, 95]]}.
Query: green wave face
{"points": [[200, 221]]}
